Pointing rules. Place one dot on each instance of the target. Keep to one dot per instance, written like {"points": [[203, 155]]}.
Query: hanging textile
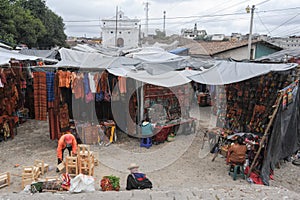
{"points": [[64, 117], [92, 82], [64, 78], [122, 85], [50, 86], [78, 87], [40, 95]]}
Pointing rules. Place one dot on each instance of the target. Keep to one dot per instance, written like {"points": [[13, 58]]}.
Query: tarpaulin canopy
{"points": [[45, 55], [225, 72], [7, 55], [123, 66]]}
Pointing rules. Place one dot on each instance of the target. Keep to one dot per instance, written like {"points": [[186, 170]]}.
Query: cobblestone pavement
{"points": [[179, 170], [213, 192]]}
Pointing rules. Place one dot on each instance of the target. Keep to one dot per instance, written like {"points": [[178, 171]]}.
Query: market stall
{"points": [[16, 91], [246, 100]]}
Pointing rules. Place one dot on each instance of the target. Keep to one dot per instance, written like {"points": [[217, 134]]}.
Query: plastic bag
{"points": [[82, 183]]}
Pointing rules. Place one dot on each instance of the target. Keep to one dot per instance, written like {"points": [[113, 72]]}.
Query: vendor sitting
{"points": [[237, 152]]}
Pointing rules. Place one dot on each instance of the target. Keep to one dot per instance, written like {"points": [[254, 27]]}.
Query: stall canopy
{"points": [[225, 72], [46, 55], [158, 67], [7, 55], [153, 73]]}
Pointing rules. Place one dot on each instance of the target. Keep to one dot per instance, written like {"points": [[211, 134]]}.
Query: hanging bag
{"points": [[100, 94]]}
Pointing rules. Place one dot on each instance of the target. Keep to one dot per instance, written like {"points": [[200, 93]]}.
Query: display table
{"points": [[161, 132]]}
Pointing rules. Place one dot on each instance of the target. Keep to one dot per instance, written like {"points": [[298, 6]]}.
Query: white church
{"points": [[120, 31]]}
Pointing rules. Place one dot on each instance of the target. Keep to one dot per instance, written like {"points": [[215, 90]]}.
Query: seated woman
{"points": [[237, 152], [136, 179]]}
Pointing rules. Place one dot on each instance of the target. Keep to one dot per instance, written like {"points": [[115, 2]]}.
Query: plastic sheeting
{"points": [[7, 55], [170, 79], [225, 72], [284, 139]]}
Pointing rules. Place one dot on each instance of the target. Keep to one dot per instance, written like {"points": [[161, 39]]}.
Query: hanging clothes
{"points": [[64, 78], [92, 82], [122, 84], [50, 86], [40, 95], [78, 86]]}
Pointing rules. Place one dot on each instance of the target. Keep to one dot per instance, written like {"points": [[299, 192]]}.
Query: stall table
{"points": [[161, 132]]}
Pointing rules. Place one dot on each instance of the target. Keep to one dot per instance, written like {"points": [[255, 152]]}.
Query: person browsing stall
{"points": [[237, 152], [66, 141]]}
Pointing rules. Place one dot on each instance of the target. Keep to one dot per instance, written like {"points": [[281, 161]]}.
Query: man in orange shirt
{"points": [[66, 141]]}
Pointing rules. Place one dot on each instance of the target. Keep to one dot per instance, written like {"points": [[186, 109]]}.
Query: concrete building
{"points": [[120, 31], [286, 43]]}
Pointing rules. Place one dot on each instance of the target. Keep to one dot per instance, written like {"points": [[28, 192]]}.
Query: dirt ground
{"points": [[191, 168]]}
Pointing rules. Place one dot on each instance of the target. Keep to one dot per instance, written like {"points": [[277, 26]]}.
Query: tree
{"points": [[54, 25], [28, 28], [7, 27], [30, 22]]}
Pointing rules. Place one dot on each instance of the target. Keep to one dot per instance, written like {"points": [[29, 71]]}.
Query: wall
{"points": [[127, 29], [237, 54], [262, 50]]}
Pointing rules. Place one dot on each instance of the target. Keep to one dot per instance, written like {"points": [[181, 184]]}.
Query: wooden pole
{"points": [[272, 117]]}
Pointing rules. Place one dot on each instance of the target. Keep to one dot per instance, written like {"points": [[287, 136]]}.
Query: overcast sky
{"points": [[272, 17]]}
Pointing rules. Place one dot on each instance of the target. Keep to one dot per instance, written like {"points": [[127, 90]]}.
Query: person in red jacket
{"points": [[66, 141]]}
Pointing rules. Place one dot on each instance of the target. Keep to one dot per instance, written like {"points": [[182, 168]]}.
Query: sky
{"points": [[276, 18]]}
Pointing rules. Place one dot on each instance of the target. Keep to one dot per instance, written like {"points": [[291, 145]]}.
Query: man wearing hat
{"points": [[136, 179], [65, 141]]}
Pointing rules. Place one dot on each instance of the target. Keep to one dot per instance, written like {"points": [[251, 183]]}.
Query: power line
{"points": [[198, 16], [286, 22], [263, 23]]}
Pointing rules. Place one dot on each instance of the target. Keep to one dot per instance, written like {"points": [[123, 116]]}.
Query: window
{"points": [[128, 32], [111, 32], [120, 32]]}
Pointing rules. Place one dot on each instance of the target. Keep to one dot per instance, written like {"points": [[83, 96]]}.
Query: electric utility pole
{"points": [[147, 18], [250, 32]]}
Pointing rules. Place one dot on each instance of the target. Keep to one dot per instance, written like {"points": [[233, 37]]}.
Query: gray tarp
{"points": [[225, 72], [284, 139], [7, 55], [162, 70]]}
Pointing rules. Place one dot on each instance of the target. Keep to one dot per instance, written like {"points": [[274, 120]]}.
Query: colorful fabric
{"points": [[50, 86], [40, 95], [122, 85]]}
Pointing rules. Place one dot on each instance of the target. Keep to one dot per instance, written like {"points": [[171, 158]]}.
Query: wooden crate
{"points": [[4, 179]]}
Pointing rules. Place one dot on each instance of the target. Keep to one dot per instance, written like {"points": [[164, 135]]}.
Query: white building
{"points": [[193, 33], [286, 43], [120, 31]]}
